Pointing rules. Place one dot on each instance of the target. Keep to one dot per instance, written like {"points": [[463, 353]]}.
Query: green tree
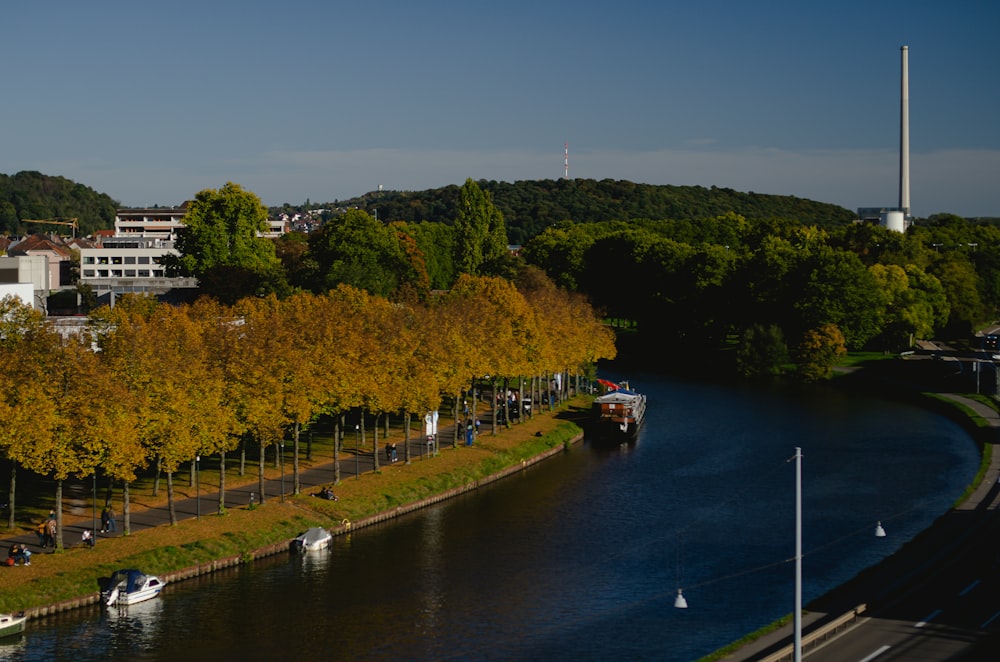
{"points": [[480, 232], [761, 351], [220, 245], [357, 250]]}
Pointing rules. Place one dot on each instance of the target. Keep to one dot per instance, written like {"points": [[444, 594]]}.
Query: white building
{"points": [[132, 259]]}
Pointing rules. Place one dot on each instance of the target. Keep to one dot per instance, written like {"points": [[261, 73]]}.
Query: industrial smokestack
{"points": [[904, 134]]}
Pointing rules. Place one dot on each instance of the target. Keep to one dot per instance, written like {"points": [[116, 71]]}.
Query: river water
{"points": [[580, 557]]}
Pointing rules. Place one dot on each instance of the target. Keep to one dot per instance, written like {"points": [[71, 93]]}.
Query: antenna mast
{"points": [[566, 162]]}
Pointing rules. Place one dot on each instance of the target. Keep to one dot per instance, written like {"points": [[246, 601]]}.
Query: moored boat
{"points": [[128, 586], [12, 624], [312, 540], [619, 412]]}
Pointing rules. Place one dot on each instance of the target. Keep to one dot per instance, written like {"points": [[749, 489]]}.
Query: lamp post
{"points": [[281, 468], [797, 615], [93, 529], [357, 451], [197, 483]]}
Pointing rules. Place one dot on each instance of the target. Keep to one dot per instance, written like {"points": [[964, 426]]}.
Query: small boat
{"points": [[312, 540], [129, 586], [620, 411], [11, 624]]}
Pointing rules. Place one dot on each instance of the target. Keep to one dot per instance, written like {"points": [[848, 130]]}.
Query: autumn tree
{"points": [[819, 351]]}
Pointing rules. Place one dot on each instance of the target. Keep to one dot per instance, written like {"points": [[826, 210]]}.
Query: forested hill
{"points": [[32, 195], [531, 206]]}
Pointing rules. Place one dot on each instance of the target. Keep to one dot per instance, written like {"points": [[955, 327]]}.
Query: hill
{"points": [[531, 206], [32, 195]]}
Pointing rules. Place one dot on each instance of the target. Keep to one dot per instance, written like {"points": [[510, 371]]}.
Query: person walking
{"points": [[112, 526]]}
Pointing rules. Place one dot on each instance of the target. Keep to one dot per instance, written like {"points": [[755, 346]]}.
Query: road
{"points": [[936, 599]]}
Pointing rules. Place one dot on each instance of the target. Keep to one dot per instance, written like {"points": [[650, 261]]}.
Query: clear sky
{"points": [[151, 102]]}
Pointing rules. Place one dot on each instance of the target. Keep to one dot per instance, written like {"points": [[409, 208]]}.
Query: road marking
{"points": [[934, 614], [989, 620], [875, 654], [968, 588]]}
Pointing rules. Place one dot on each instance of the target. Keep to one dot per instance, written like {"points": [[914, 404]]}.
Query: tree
{"points": [[480, 232], [761, 351], [357, 250], [220, 245], [818, 352]]}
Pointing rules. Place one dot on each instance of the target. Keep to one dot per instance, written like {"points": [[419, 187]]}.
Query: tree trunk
{"points": [[156, 478], [338, 431], [309, 446], [13, 491], [375, 448], [406, 437], [243, 455], [296, 488], [191, 477], [222, 482], [170, 498], [260, 474], [126, 510]]}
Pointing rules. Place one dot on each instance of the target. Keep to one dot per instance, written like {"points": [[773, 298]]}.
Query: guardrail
{"points": [[819, 635]]}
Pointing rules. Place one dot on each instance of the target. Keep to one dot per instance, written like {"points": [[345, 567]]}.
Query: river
{"points": [[581, 556]]}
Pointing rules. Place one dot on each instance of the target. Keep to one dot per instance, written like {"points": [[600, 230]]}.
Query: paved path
{"points": [[310, 480]]}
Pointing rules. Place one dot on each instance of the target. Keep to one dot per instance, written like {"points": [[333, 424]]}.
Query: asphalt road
{"points": [[938, 598]]}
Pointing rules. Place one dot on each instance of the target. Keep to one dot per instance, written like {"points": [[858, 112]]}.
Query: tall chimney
{"points": [[904, 134]]}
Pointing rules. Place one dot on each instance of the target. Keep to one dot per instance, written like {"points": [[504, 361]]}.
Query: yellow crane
{"points": [[54, 221]]}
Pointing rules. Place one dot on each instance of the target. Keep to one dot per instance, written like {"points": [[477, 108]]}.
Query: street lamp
{"points": [[357, 451], [197, 482], [281, 468], [797, 616], [93, 529]]}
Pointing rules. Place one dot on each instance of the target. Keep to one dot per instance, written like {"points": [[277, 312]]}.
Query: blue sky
{"points": [[151, 102]]}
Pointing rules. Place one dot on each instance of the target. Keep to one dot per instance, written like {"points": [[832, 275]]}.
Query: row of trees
{"points": [[168, 384], [401, 261], [788, 292]]}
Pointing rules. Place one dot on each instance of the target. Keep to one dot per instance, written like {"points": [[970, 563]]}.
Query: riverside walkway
{"points": [[240, 495]]}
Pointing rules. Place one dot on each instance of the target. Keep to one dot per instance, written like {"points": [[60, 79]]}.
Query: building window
{"points": [[130, 273], [143, 273], [143, 259], [116, 259], [89, 259], [116, 273], [102, 273], [102, 260], [88, 273], [129, 259]]}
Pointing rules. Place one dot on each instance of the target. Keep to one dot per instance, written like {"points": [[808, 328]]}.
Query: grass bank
{"points": [[72, 573]]}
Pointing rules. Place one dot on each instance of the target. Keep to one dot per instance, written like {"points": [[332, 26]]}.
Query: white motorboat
{"points": [[11, 624], [129, 586], [314, 539]]}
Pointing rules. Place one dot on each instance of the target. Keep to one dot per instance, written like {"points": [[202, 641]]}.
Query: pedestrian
{"points": [[112, 526], [88, 537], [50, 532], [40, 530], [388, 452], [104, 520], [393, 447]]}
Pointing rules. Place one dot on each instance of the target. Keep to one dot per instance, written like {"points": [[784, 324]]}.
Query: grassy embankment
{"points": [[72, 573]]}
